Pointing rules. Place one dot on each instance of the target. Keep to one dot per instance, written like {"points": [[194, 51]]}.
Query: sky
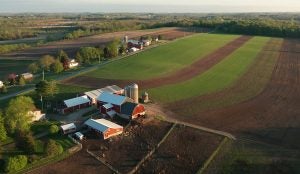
{"points": [[149, 6]]}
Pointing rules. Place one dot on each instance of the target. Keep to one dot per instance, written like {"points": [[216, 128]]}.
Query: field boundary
{"points": [[63, 156], [212, 156], [153, 150], [103, 162]]}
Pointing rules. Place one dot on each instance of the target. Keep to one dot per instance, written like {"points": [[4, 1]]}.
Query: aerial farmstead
{"points": [[111, 101]]}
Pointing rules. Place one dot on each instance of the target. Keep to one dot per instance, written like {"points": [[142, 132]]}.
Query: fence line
{"points": [[153, 150], [212, 156]]}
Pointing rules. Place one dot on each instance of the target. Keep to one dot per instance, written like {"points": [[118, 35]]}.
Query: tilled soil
{"points": [[184, 74], [184, 151], [79, 163]]}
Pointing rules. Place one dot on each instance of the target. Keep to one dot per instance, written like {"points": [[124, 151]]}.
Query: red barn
{"points": [[132, 110], [107, 102], [104, 127]]}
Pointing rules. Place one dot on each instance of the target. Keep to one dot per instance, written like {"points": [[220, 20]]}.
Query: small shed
{"points": [[74, 104], [79, 135], [104, 127], [27, 76], [68, 128]]}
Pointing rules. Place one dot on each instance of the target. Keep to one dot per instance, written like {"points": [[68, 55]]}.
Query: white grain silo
{"points": [[134, 92], [127, 91], [125, 39]]}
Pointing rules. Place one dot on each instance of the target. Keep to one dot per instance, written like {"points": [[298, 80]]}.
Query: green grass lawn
{"points": [[217, 78], [12, 66], [164, 59]]}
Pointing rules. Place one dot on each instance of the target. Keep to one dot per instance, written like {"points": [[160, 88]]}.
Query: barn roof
{"points": [[68, 126], [110, 89], [76, 101], [108, 106], [127, 108], [112, 98], [101, 124]]}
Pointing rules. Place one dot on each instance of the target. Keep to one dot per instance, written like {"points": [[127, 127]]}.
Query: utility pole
{"points": [[43, 74], [42, 103]]}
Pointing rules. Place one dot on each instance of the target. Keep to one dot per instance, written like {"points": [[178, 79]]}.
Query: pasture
{"points": [[219, 77], [165, 59]]}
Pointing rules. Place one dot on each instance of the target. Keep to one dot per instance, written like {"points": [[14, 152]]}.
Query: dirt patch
{"points": [[124, 152], [272, 116], [71, 46], [248, 86], [184, 151], [184, 74], [81, 162]]}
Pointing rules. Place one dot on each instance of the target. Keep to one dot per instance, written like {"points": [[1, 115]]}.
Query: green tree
{"points": [[33, 68], [53, 129], [63, 57], [22, 81], [88, 54], [3, 134], [113, 48], [57, 66], [15, 163], [53, 148], [46, 61], [46, 88], [25, 141], [17, 115]]}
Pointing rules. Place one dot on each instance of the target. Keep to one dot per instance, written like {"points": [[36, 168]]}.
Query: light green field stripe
{"points": [[164, 59], [217, 78]]}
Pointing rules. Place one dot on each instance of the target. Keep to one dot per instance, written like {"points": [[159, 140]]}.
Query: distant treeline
{"points": [[263, 27]]}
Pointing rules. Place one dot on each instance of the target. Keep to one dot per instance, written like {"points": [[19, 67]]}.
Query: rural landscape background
{"points": [[221, 91]]}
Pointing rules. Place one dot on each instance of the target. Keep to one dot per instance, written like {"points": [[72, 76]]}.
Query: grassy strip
{"points": [[44, 162], [212, 156], [248, 86], [217, 78], [164, 59]]}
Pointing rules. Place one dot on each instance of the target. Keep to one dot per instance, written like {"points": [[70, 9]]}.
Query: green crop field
{"points": [[217, 78], [164, 59]]}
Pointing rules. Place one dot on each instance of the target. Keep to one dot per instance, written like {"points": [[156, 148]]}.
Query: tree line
{"points": [[255, 26]]}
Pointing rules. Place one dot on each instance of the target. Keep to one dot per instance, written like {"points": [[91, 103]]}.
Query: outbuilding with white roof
{"points": [[73, 104], [68, 128], [104, 127]]}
